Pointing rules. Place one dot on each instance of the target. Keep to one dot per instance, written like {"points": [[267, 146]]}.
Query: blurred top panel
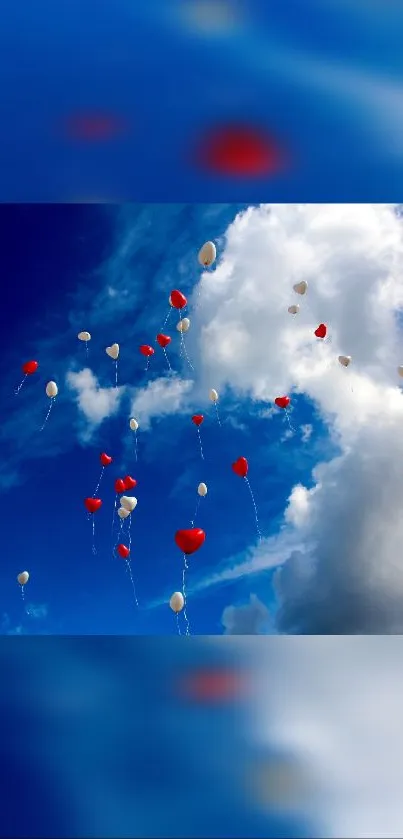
{"points": [[201, 100]]}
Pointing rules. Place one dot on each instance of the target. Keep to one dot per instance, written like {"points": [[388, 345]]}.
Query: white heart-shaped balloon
{"points": [[113, 351], [293, 310], [345, 360], [301, 287], [84, 336], [122, 513], [129, 502]]}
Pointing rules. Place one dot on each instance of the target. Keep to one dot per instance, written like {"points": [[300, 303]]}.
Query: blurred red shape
{"points": [[213, 686], [94, 127], [241, 151]]}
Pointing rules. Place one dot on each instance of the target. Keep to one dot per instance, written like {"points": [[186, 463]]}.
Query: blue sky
{"points": [[110, 270], [326, 81]]}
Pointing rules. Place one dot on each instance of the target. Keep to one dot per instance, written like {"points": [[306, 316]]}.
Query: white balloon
{"points": [[207, 254], [113, 351], [84, 336], [293, 310], [52, 390], [170, 301], [177, 602], [213, 395], [122, 513], [400, 370], [345, 360], [133, 424], [129, 502], [202, 489], [183, 325], [23, 578], [301, 288]]}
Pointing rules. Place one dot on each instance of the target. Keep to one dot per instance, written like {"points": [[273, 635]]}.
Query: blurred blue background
{"points": [[110, 102]]}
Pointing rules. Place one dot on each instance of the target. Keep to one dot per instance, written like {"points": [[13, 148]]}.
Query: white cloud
{"points": [[95, 402], [160, 397], [251, 618], [343, 573], [306, 432]]}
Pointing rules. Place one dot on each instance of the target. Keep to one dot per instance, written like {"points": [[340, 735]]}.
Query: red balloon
{"points": [[198, 419], [191, 540], [30, 367], [123, 551], [146, 350], [240, 467], [282, 401], [241, 151], [321, 331], [129, 483], [92, 504], [119, 485], [163, 340], [178, 300], [105, 459]]}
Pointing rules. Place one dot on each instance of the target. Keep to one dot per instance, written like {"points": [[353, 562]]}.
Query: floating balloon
{"points": [[146, 350], [52, 390], [189, 541], [122, 513], [177, 299], [29, 368], [23, 578], [105, 459], [240, 151], [293, 310], [119, 486], [123, 551], [129, 482], [213, 396], [345, 360], [163, 340], [134, 427], [84, 336], [197, 419], [240, 467], [93, 504], [301, 288], [177, 602], [282, 402], [321, 331], [113, 353], [128, 502], [202, 490], [207, 254], [183, 325]]}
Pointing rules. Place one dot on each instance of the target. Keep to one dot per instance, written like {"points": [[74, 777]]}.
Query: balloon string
{"points": [[116, 373], [166, 320], [183, 345], [113, 514], [292, 429], [86, 350], [16, 392], [22, 592], [195, 512], [167, 359], [200, 442], [185, 568], [129, 569], [135, 446], [130, 532], [177, 623], [255, 509], [94, 550], [98, 484], [47, 415], [218, 415]]}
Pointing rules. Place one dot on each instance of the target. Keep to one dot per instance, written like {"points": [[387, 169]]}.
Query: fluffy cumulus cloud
{"points": [[343, 573], [160, 397], [249, 619], [96, 403]]}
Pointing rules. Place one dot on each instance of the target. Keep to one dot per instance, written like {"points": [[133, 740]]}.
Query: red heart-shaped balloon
{"points": [[129, 483], [282, 401], [191, 540], [119, 485], [240, 150], [240, 467], [198, 419], [321, 331], [178, 300], [30, 367], [123, 551], [93, 504], [163, 340], [146, 350], [105, 459]]}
